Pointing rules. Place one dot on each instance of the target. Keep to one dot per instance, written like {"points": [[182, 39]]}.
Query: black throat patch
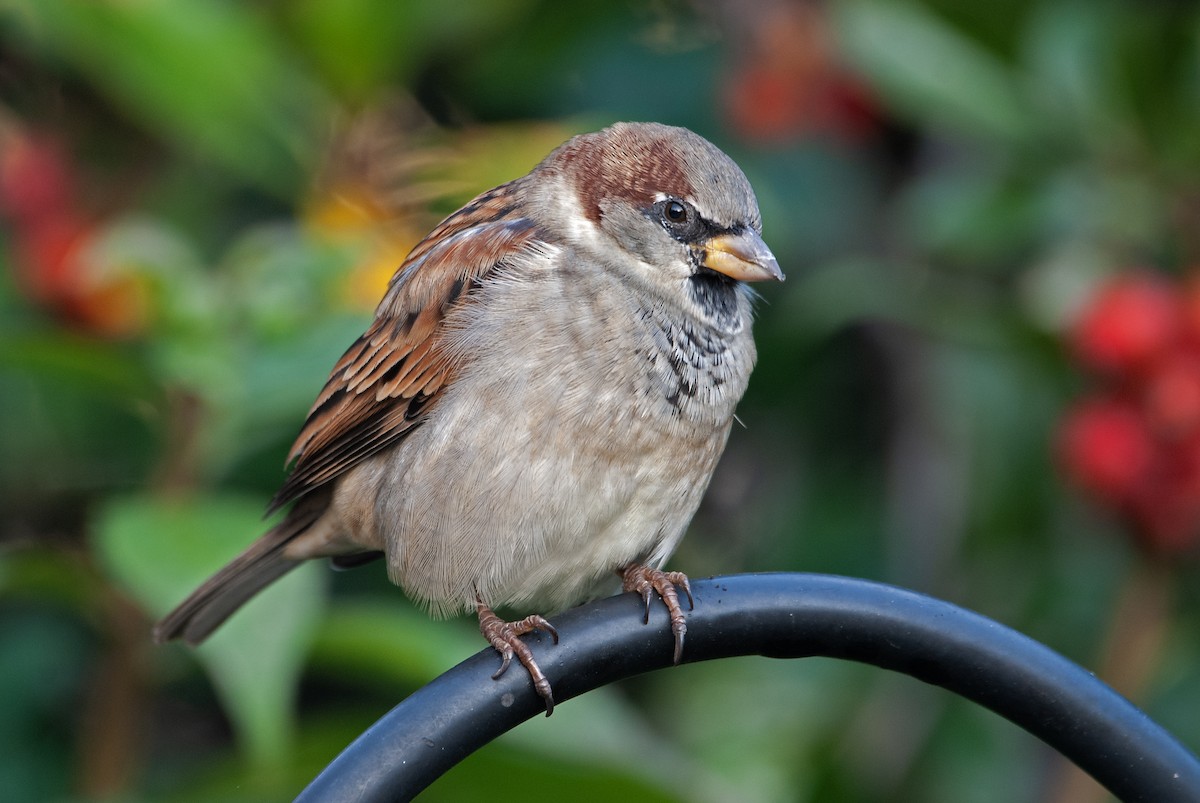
{"points": [[716, 294]]}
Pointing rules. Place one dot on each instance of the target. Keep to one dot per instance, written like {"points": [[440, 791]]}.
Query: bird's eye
{"points": [[675, 212], [679, 219]]}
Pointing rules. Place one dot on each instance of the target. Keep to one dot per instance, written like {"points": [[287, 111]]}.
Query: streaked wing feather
{"points": [[390, 378]]}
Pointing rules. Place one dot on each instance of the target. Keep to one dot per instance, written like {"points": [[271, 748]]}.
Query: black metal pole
{"points": [[779, 616]]}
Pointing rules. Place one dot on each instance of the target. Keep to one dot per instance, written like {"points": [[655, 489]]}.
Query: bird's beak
{"points": [[743, 256]]}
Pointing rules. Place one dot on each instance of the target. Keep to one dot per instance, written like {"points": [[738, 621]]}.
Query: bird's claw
{"points": [[646, 581], [505, 638]]}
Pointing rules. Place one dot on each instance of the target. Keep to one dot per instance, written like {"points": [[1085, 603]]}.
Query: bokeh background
{"points": [[980, 380]]}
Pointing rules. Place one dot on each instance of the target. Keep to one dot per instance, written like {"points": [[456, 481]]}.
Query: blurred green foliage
{"points": [[203, 200]]}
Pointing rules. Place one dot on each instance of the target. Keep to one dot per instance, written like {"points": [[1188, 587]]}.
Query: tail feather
{"points": [[222, 594]]}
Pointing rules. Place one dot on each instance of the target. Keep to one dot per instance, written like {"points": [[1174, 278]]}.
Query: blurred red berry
{"points": [[761, 105], [1137, 449], [47, 256], [1172, 394], [853, 108], [1132, 320], [109, 301], [49, 237], [771, 105], [1107, 449], [1161, 524], [35, 179], [792, 82], [1166, 514], [1190, 304]]}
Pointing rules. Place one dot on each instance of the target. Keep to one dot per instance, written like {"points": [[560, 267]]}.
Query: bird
{"points": [[540, 400]]}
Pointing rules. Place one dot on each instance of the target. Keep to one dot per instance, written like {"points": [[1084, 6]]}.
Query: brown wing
{"points": [[386, 382]]}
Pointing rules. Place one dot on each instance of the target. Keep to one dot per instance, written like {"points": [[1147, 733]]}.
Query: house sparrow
{"points": [[541, 398]]}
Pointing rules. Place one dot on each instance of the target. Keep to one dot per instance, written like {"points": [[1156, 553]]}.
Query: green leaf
{"points": [[362, 46], [931, 71], [161, 549], [50, 575], [358, 44], [90, 365], [211, 77], [981, 217], [1070, 52], [390, 642]]}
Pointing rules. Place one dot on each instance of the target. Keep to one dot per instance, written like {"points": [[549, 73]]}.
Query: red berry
{"points": [[35, 180], [1106, 447], [1166, 517], [47, 254], [1161, 524], [1172, 394], [761, 104], [853, 109], [1190, 303], [1165, 510], [1133, 319]]}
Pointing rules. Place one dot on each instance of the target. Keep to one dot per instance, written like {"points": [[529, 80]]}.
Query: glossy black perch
{"points": [[779, 616]]}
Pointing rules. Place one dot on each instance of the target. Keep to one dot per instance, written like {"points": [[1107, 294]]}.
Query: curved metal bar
{"points": [[779, 616]]}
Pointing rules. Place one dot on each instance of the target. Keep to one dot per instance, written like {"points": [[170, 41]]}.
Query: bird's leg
{"points": [[644, 580], [505, 637]]}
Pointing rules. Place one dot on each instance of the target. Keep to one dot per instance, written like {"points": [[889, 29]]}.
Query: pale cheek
{"points": [[580, 230]]}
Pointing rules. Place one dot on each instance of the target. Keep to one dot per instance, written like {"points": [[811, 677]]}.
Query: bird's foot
{"points": [[644, 580], [505, 637]]}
